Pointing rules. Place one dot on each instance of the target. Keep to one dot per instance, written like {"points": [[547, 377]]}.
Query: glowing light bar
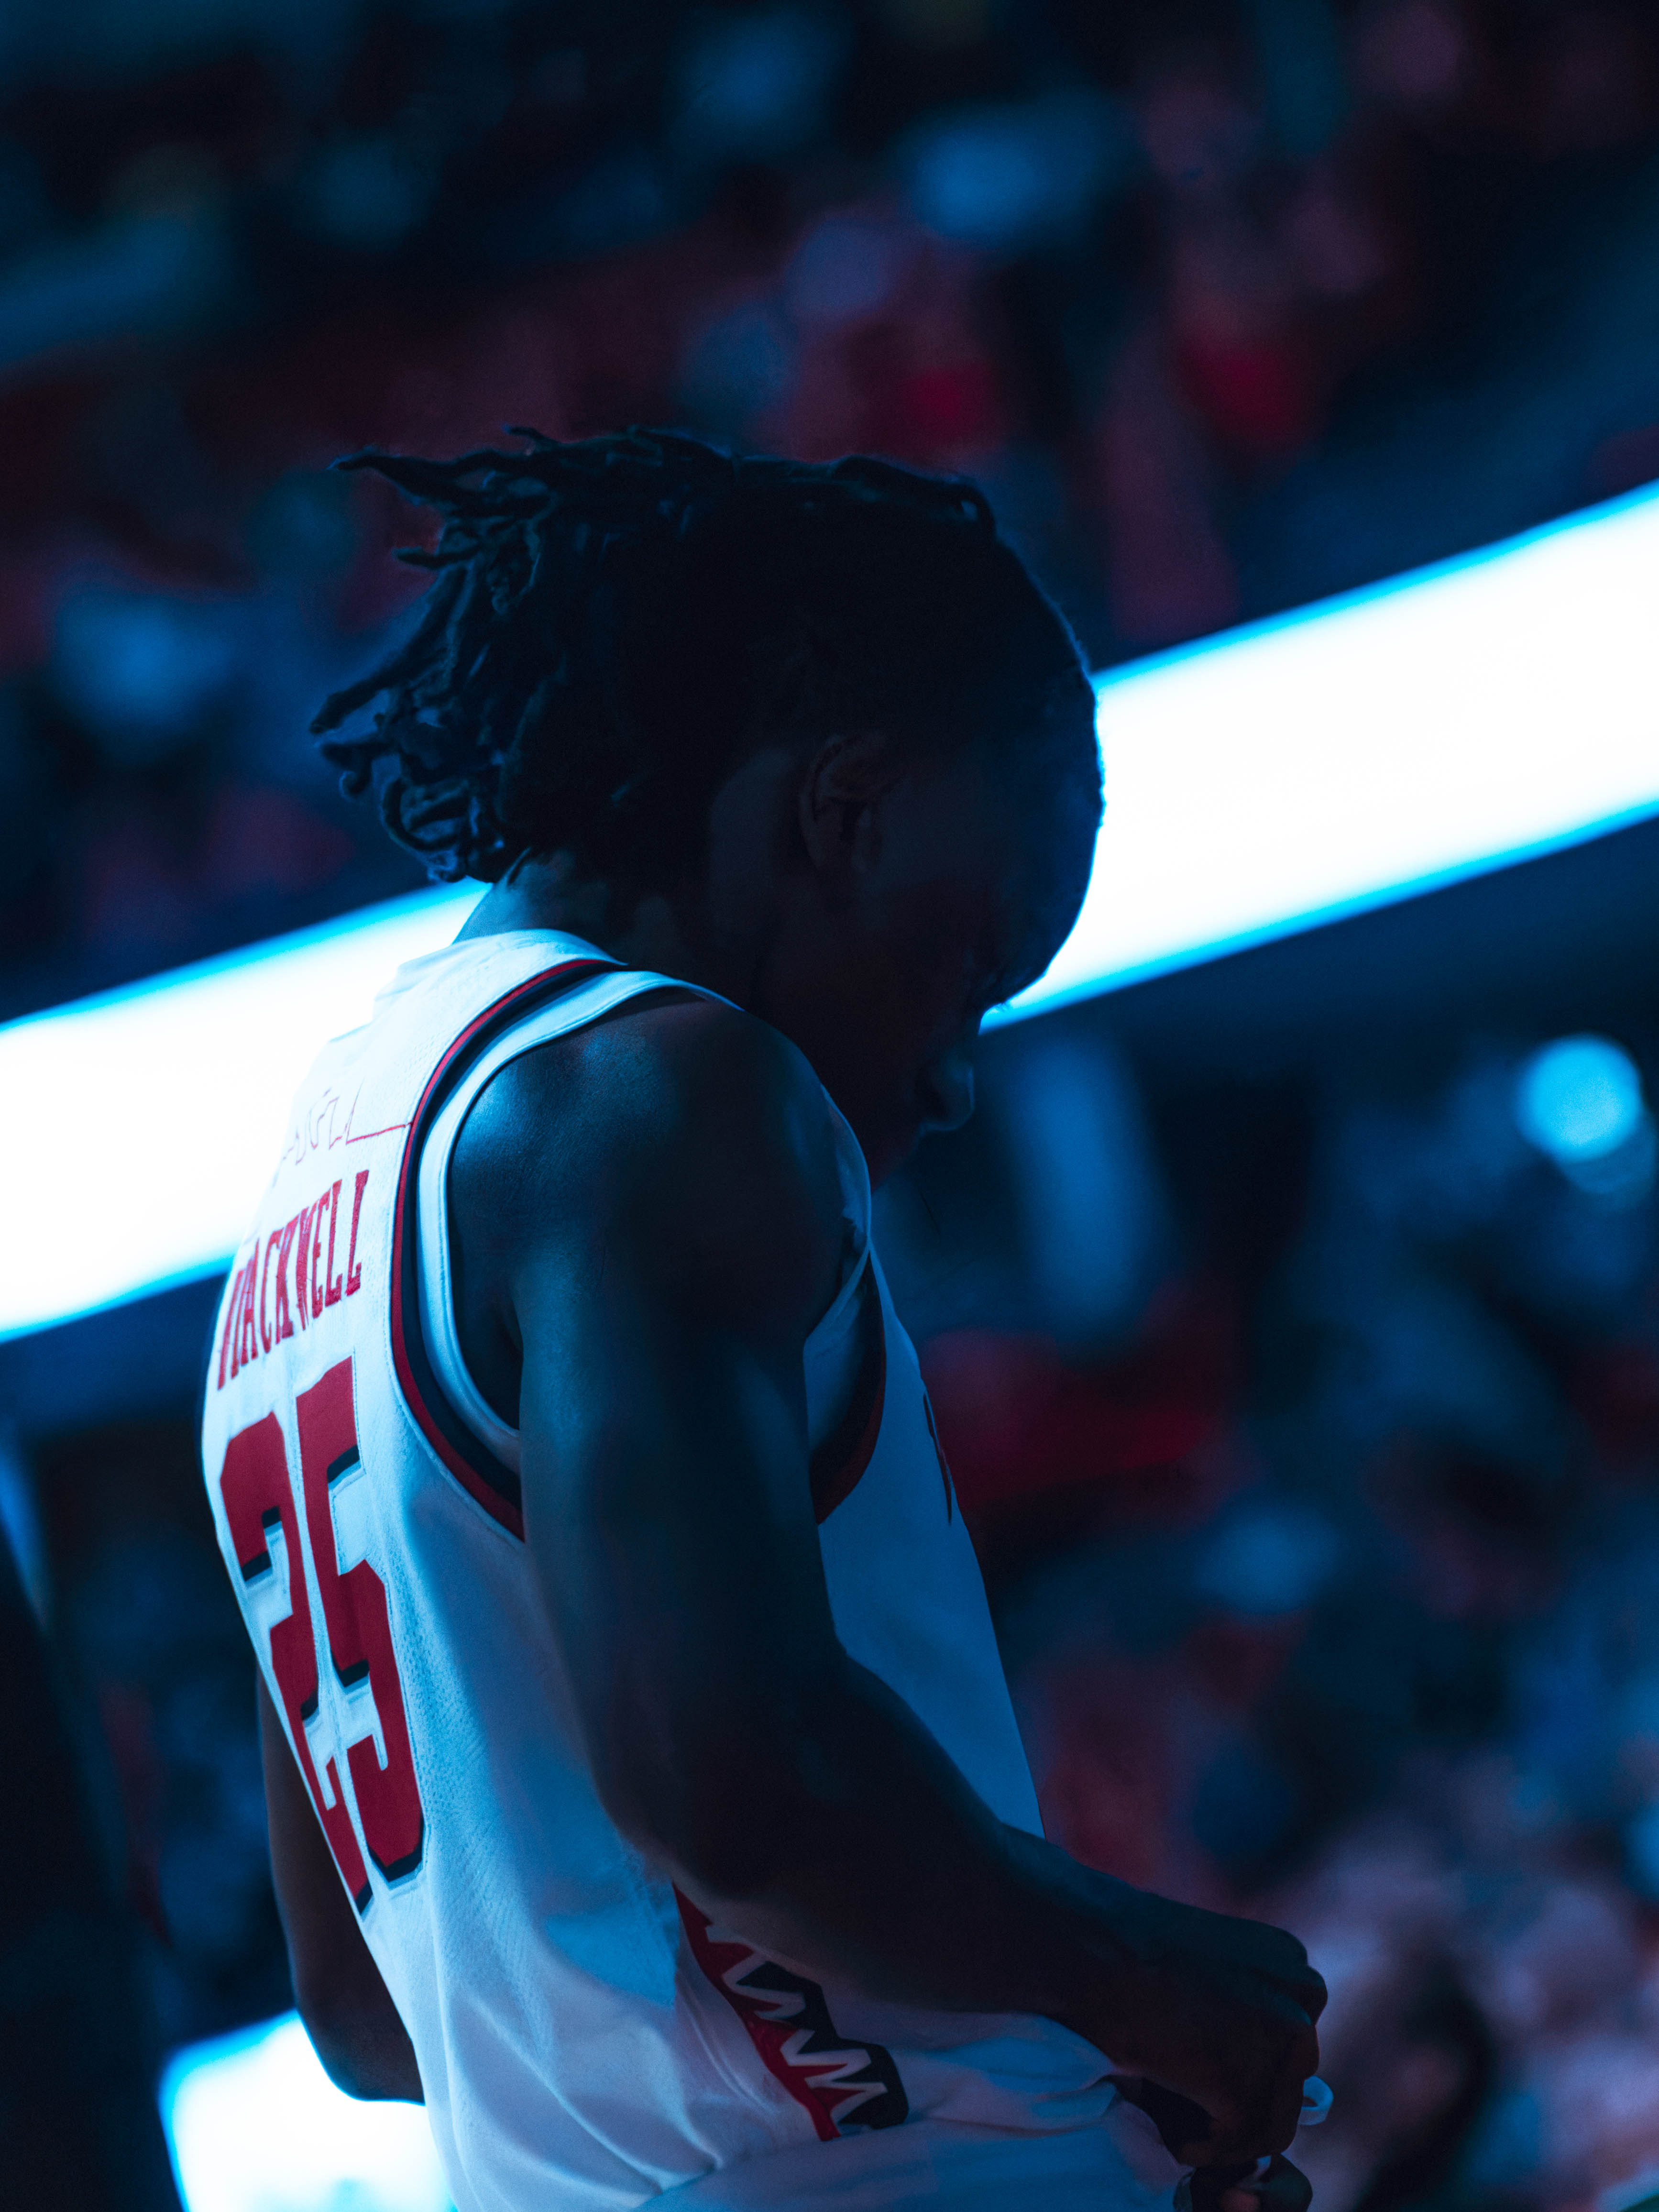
{"points": [[1352, 754], [139, 1128], [1377, 746], [255, 2125]]}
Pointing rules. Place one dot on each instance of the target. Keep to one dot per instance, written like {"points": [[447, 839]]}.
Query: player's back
{"points": [[584, 2034]]}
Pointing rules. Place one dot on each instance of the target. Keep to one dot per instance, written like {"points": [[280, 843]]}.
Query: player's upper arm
{"points": [[679, 1235]]}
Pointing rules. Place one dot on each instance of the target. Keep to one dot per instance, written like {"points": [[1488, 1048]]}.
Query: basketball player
{"points": [[645, 1793]]}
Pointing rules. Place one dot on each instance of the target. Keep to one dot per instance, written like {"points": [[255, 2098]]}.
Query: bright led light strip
{"points": [[1352, 754], [1434, 727], [255, 2125], [139, 1128]]}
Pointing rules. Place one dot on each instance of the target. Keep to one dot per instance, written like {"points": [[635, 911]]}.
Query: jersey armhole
{"points": [[575, 1009], [852, 1331]]}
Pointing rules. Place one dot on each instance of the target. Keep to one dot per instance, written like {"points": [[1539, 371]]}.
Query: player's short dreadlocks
{"points": [[617, 623]]}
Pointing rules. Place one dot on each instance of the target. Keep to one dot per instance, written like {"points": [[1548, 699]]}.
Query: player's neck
{"points": [[639, 931]]}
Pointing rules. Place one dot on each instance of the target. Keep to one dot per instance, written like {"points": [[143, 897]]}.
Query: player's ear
{"points": [[841, 802]]}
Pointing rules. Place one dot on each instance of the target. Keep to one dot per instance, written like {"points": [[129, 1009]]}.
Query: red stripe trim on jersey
{"points": [[477, 1470], [843, 2086], [838, 1464]]}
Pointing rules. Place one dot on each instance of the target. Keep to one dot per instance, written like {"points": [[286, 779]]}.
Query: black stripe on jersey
{"points": [[485, 1478], [839, 1462]]}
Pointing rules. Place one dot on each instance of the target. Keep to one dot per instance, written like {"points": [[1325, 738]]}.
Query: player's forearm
{"points": [[363, 2051], [889, 1869], [348, 2013]]}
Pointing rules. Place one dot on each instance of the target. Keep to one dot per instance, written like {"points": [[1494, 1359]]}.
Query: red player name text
{"points": [[259, 1311]]}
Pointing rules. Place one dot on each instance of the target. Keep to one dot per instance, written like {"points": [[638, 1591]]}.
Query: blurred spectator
{"points": [[1157, 276], [1352, 1625], [1311, 1432]]}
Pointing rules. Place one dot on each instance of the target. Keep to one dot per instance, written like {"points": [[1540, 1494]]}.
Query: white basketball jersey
{"points": [[586, 2038]]}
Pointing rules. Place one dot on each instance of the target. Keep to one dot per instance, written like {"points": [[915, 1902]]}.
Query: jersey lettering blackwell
{"points": [[259, 1312]]}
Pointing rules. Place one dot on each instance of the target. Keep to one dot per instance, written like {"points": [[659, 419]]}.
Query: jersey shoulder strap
{"points": [[586, 1000], [845, 1356]]}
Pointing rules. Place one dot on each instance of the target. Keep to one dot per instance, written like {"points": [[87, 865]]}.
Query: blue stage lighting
{"points": [[1580, 1098], [1432, 728], [143, 1125], [255, 2125], [1580, 1101], [1472, 714]]}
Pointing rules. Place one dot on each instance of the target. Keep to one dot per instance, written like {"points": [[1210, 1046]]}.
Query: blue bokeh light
{"points": [[1580, 1099]]}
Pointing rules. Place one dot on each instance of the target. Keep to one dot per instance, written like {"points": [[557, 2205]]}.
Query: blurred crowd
{"points": [[1310, 1427], [1322, 1520], [1230, 303], [1315, 1471]]}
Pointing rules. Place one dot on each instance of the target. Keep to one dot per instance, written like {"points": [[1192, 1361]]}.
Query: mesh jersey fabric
{"points": [[587, 2038]]}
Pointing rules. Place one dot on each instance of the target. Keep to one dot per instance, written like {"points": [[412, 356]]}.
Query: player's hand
{"points": [[1264, 2184], [1281, 2187], [1220, 2012]]}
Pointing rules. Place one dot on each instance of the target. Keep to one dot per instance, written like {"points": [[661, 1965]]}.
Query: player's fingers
{"points": [[1284, 2188], [1309, 1991], [1284, 2113], [1219, 2148], [1299, 2055], [1292, 1969], [1267, 2125], [1267, 2185], [1230, 2135], [1186, 2129]]}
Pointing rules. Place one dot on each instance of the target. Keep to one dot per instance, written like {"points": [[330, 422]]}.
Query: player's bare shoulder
{"points": [[680, 1124]]}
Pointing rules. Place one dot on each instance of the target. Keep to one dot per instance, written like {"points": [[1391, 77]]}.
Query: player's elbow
{"points": [[340, 2060], [730, 1843], [734, 1852], [733, 1806], [364, 2050]]}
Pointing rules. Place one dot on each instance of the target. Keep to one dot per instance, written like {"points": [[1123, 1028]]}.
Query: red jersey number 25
{"points": [[355, 1630]]}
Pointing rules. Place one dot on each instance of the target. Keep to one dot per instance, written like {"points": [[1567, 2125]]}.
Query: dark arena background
{"points": [[1290, 1309]]}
